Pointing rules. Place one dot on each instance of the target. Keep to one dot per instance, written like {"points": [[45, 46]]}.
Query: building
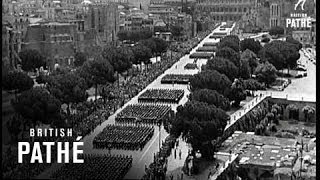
{"points": [[270, 13], [223, 10], [135, 20], [58, 41], [104, 19], [267, 157]]}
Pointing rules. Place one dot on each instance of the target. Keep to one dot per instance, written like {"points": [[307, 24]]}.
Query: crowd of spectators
{"points": [[96, 167], [158, 167], [144, 113], [123, 137], [176, 79], [90, 114], [161, 95]]}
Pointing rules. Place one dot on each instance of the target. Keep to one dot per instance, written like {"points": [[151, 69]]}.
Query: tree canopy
{"points": [[31, 59], [200, 123], [229, 53], [97, 71], [252, 84], [68, 88], [212, 97], [237, 92], [141, 54], [37, 104], [276, 30], [251, 58], [17, 81], [119, 57], [296, 43], [281, 54], [245, 69], [79, 59], [250, 44], [266, 73], [211, 79], [224, 66], [231, 41], [176, 31]]}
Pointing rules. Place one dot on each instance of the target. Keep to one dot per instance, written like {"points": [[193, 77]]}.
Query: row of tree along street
{"points": [[238, 67], [67, 87]]}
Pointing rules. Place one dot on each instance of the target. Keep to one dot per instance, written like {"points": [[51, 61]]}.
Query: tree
{"points": [[211, 79], [223, 66], [161, 45], [37, 104], [309, 112], [212, 97], [251, 58], [265, 40], [79, 59], [151, 44], [281, 54], [31, 59], [250, 44], [266, 73], [176, 31], [142, 54], [97, 71], [228, 53], [122, 35], [17, 82], [119, 57], [14, 127], [200, 123], [231, 41], [244, 70], [252, 84], [272, 52], [293, 111], [276, 31], [296, 43], [68, 88], [237, 92]]}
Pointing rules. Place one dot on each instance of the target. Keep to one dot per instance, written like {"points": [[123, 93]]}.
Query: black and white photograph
{"points": [[159, 89]]}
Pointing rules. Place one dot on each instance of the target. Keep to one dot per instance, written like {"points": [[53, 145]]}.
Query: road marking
{"points": [[149, 147]]}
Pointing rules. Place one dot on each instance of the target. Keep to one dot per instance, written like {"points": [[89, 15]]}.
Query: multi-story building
{"points": [[135, 20], [223, 10], [58, 41], [104, 19]]}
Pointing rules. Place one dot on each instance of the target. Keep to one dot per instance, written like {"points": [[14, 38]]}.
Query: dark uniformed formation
{"points": [[96, 167], [161, 95], [143, 113], [176, 78], [123, 137]]}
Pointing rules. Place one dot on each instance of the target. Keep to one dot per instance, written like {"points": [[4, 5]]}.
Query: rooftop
{"points": [[263, 151]]}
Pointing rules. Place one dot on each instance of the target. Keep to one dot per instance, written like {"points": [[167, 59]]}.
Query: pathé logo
{"points": [[301, 2]]}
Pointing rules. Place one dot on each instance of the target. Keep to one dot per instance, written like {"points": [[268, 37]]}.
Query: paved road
{"points": [[144, 157], [303, 89]]}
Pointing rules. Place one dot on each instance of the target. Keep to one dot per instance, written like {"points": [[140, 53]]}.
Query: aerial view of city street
{"points": [[159, 89]]}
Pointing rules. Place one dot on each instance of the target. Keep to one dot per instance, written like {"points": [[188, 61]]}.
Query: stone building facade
{"points": [[58, 41], [105, 20], [224, 10]]}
